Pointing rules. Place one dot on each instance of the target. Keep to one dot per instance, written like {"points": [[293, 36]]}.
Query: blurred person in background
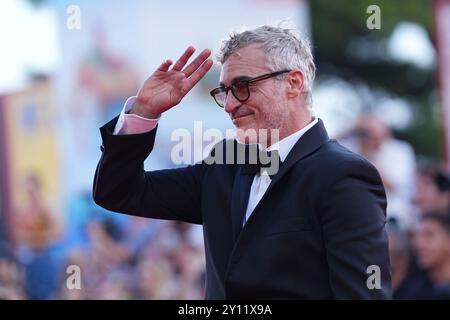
{"points": [[309, 231], [394, 159], [34, 224], [11, 275], [432, 190], [408, 281], [155, 279], [105, 256], [175, 243], [432, 243], [35, 234], [188, 262], [11, 280], [117, 285]]}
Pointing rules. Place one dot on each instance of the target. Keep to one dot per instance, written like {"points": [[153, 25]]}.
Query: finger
{"points": [[165, 65], [199, 73], [184, 58], [197, 62]]}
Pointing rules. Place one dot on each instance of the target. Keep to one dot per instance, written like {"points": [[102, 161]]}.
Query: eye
{"points": [[240, 90], [240, 85]]}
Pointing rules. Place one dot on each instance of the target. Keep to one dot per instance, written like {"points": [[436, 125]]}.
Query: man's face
{"points": [[265, 108], [427, 196], [432, 243]]}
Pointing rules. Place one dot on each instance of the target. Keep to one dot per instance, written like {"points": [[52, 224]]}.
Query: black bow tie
{"points": [[270, 160]]}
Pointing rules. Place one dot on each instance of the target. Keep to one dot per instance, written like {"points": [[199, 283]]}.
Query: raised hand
{"points": [[165, 88]]}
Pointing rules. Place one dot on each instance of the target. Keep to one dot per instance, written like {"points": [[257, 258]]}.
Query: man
{"points": [[432, 243], [313, 230], [408, 281], [432, 190]]}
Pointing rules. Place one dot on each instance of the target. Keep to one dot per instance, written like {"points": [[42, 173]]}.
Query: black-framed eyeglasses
{"points": [[240, 88]]}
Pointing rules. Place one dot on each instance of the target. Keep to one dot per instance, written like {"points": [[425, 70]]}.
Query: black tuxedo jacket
{"points": [[317, 233]]}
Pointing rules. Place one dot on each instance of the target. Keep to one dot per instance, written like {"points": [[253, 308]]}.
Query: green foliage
{"points": [[336, 25], [37, 3]]}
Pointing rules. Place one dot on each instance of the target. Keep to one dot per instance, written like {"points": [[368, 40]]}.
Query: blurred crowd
{"points": [[115, 256], [418, 212], [122, 257]]}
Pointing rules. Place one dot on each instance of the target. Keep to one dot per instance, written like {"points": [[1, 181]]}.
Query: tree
{"points": [[345, 47]]}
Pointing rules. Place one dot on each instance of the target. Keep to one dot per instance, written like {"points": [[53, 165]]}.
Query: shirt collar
{"points": [[285, 145]]}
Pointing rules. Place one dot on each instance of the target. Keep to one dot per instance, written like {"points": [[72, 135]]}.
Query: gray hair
{"points": [[284, 49]]}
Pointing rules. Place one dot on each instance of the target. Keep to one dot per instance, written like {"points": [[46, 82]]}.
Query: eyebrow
{"points": [[237, 79]]}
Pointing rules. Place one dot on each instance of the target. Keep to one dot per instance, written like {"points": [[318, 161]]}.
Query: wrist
{"points": [[139, 110]]}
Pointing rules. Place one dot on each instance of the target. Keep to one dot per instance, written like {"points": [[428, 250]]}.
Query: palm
{"points": [[165, 88], [168, 88]]}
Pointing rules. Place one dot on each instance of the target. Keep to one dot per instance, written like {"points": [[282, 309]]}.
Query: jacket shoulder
{"points": [[335, 161]]}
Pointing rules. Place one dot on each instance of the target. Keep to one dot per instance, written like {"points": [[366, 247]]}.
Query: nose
{"points": [[231, 103]]}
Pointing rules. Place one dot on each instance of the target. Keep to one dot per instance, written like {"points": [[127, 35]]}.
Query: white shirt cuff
{"points": [[132, 123]]}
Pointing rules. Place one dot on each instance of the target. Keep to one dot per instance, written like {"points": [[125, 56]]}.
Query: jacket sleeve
{"points": [[121, 184], [353, 214]]}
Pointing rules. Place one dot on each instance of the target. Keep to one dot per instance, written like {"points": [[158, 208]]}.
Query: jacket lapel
{"points": [[239, 200]]}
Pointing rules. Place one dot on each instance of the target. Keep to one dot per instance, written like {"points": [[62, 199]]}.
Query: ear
{"points": [[295, 81]]}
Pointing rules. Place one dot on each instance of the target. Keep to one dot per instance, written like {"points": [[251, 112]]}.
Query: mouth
{"points": [[240, 116]]}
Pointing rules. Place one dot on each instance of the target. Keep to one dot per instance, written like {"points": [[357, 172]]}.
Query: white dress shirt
{"points": [[134, 124]]}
